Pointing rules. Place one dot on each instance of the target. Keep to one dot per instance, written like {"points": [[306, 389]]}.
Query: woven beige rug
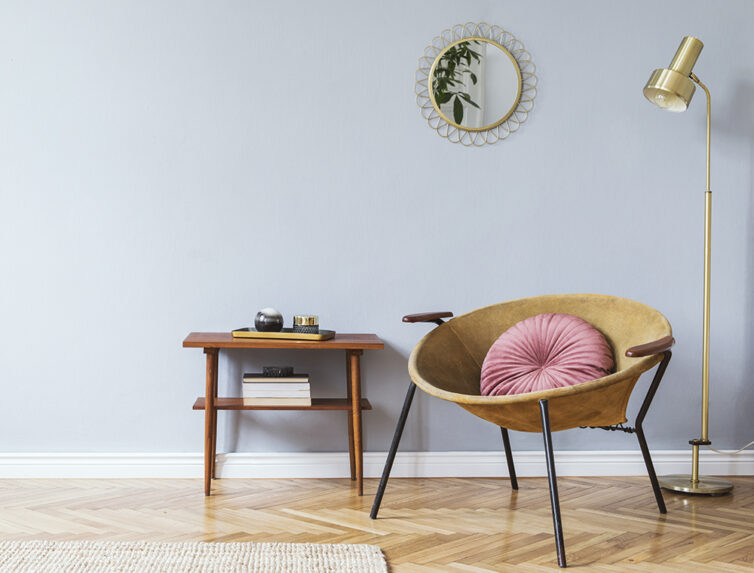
{"points": [[147, 557]]}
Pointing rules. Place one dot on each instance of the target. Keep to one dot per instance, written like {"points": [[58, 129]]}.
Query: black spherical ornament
{"points": [[268, 320]]}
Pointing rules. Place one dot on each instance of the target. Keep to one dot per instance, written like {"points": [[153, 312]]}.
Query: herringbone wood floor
{"points": [[425, 525]]}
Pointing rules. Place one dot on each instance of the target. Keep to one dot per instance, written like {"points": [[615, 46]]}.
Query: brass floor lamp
{"points": [[672, 89]]}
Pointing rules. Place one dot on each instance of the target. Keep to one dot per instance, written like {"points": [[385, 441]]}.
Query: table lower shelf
{"points": [[317, 404]]}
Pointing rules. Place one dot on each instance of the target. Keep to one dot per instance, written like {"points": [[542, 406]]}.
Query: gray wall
{"points": [[175, 166]]}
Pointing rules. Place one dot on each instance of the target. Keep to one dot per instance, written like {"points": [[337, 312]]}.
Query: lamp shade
{"points": [[672, 88]]}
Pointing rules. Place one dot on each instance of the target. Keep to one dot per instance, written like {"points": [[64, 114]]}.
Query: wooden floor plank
{"points": [[455, 525]]}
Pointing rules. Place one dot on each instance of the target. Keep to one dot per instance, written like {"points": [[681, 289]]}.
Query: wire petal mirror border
{"points": [[452, 132]]}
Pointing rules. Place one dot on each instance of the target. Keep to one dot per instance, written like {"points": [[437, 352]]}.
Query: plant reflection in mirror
{"points": [[449, 77]]}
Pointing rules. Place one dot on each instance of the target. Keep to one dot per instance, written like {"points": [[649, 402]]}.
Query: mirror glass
{"points": [[476, 84]]}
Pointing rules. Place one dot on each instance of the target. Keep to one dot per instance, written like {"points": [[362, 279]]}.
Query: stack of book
{"points": [[261, 390]]}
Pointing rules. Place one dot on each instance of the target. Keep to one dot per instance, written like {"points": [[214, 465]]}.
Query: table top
{"points": [[226, 340]]}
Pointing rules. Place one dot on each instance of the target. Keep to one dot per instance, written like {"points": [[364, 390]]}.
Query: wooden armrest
{"points": [[651, 348], [435, 317]]}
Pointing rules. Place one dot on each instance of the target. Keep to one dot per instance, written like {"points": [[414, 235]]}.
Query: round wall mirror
{"points": [[475, 84]]}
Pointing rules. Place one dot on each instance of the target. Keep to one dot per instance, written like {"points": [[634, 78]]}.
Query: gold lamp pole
{"points": [[672, 89]]}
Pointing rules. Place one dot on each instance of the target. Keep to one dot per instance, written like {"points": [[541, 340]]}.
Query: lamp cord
{"points": [[731, 453]]}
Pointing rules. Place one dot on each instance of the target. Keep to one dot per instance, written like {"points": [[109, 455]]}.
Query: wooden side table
{"points": [[354, 346]]}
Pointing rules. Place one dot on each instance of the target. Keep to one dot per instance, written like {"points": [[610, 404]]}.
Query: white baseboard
{"points": [[335, 465]]}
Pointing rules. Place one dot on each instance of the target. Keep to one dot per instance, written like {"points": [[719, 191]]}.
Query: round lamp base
{"points": [[704, 486]]}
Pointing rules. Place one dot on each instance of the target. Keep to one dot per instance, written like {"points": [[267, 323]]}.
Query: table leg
{"points": [[210, 417], [213, 457], [354, 369], [351, 451]]}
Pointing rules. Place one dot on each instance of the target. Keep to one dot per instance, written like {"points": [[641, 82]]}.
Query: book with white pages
{"points": [[271, 386], [255, 377], [272, 394], [277, 401]]}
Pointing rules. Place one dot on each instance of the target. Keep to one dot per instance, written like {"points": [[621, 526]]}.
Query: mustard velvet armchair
{"points": [[447, 364]]}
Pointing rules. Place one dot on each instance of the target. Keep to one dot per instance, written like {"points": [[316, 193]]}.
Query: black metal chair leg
{"points": [[651, 470], [640, 431], [554, 501], [393, 450], [509, 458]]}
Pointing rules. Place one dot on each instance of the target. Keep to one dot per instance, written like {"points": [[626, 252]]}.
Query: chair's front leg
{"points": [[554, 501], [393, 449], [436, 318]]}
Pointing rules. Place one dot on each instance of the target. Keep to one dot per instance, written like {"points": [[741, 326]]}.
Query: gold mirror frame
{"points": [[518, 91], [519, 111]]}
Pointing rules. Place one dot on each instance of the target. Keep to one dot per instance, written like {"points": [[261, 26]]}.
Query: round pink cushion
{"points": [[543, 352]]}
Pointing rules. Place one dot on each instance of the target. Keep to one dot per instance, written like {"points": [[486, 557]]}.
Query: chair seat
{"points": [[447, 362]]}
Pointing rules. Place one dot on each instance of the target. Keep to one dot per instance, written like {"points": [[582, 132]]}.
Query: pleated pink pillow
{"points": [[544, 352]]}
